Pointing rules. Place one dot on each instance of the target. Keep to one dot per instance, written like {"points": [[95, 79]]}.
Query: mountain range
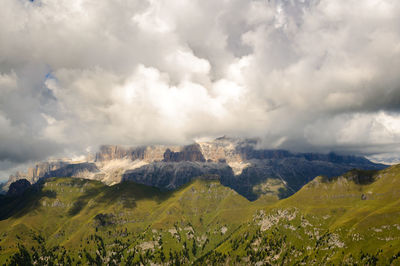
{"points": [[237, 163]]}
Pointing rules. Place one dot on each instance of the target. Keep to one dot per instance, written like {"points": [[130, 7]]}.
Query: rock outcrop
{"points": [[18, 187]]}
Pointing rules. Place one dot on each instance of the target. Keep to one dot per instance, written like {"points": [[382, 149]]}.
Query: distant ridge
{"points": [[237, 162]]}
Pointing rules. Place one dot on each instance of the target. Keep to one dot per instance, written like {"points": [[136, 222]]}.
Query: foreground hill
{"points": [[124, 222], [350, 219], [239, 163]]}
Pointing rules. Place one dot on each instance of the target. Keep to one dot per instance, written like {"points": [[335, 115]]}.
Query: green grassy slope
{"points": [[75, 214], [354, 218]]}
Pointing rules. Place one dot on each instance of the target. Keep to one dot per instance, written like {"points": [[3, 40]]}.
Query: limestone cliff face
{"points": [[171, 175], [153, 153], [111, 152], [221, 149], [226, 150], [190, 153], [33, 174], [73, 170], [237, 163], [41, 169]]}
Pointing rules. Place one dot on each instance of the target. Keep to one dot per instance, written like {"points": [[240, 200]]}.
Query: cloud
{"points": [[303, 75]]}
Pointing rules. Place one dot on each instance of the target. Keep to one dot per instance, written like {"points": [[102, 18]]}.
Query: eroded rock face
{"points": [[111, 152], [33, 174], [237, 163], [190, 153], [72, 170], [171, 175], [152, 153], [18, 187]]}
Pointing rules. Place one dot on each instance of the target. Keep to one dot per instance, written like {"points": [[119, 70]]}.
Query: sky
{"points": [[303, 75]]}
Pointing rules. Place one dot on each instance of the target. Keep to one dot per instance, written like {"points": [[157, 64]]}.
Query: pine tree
{"points": [[194, 248], [22, 257]]}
